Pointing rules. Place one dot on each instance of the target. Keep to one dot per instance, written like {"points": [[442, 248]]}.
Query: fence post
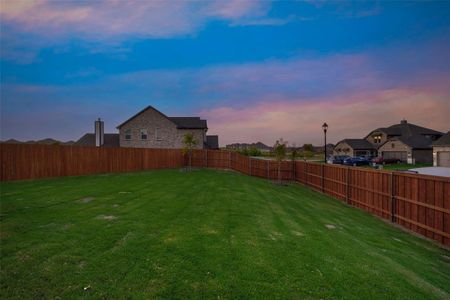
{"points": [[323, 179], [250, 165], [306, 172], [206, 156], [229, 160], [347, 186], [268, 169], [293, 170], [393, 197]]}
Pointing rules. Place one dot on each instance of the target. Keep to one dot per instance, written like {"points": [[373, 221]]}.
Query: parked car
{"points": [[380, 160], [338, 159], [356, 161]]}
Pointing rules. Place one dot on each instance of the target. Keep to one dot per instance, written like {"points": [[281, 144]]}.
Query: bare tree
{"points": [[189, 142], [279, 150]]}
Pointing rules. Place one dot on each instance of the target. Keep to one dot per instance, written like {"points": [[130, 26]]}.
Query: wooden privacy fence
{"points": [[419, 203], [42, 161]]}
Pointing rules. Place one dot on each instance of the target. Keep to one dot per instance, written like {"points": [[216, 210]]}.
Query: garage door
{"points": [[443, 159], [395, 154]]}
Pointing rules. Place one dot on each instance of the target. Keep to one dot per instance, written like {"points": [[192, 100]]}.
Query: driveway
{"points": [[436, 171]]}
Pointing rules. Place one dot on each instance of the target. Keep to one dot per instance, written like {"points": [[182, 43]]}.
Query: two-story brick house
{"points": [[405, 141], [150, 128]]}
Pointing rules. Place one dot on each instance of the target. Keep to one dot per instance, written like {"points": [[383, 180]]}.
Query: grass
{"points": [[204, 234]]}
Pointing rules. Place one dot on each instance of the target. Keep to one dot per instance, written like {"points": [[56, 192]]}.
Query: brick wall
{"points": [[151, 120]]}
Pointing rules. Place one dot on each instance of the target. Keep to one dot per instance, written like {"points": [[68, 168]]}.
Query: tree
{"points": [[308, 147], [189, 142], [279, 150]]}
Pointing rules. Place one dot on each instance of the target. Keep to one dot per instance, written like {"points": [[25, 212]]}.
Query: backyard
{"points": [[204, 234]]}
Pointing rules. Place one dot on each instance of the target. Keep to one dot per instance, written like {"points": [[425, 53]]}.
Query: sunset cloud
{"points": [[257, 70], [118, 19], [348, 116]]}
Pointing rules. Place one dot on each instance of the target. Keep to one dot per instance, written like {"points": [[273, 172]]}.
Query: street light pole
{"points": [[325, 128]]}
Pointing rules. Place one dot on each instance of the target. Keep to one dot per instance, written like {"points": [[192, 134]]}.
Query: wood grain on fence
{"points": [[419, 203], [43, 161]]}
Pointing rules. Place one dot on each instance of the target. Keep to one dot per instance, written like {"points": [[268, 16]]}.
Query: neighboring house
{"points": [[408, 142], [150, 128], [354, 147], [441, 151]]}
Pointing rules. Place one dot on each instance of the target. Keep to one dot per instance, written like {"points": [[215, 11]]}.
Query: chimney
{"points": [[99, 133], [403, 121]]}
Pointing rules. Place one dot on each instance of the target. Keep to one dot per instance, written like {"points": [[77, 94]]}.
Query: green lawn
{"points": [[205, 234]]}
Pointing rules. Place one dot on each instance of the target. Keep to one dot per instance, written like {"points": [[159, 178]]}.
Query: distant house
{"points": [[150, 128], [354, 147], [241, 146], [408, 142], [441, 151]]}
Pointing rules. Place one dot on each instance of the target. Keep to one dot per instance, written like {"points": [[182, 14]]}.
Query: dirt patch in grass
{"points": [[108, 218], [86, 199], [330, 226], [298, 233], [67, 226], [209, 231]]}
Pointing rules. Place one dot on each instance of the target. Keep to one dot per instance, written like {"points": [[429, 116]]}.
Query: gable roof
{"points": [[443, 141], [406, 129], [358, 144], [88, 140], [180, 122], [415, 142]]}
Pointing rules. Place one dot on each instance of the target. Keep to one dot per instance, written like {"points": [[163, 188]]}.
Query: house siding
{"points": [[395, 146], [150, 120]]}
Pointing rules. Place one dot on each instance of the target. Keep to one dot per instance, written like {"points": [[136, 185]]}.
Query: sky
{"points": [[256, 70]]}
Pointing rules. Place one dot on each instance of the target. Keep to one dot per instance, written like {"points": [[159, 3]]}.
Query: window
{"points": [[158, 134], [377, 139], [143, 134], [392, 145], [128, 134]]}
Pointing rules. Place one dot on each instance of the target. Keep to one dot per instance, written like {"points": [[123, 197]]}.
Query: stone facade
{"points": [[161, 132], [396, 149]]}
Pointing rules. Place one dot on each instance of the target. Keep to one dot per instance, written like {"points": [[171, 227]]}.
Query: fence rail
{"points": [[420, 203]]}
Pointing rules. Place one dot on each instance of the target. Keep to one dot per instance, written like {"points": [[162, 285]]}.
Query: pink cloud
{"points": [[349, 116], [113, 18]]}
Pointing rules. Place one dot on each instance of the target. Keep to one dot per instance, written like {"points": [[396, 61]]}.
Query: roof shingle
{"points": [[359, 144], [88, 140], [443, 141]]}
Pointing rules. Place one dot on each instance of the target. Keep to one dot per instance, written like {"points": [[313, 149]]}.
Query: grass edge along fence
{"points": [[420, 203]]}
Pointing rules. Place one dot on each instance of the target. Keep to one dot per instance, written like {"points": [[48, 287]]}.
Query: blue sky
{"points": [[255, 70]]}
